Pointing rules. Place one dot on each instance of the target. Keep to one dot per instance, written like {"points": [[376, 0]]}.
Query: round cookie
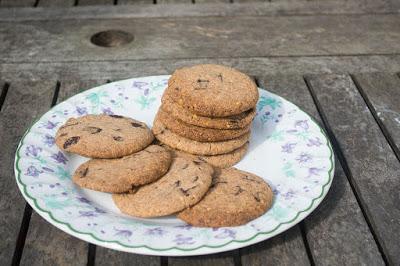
{"points": [[221, 160], [175, 141], [103, 136], [186, 182], [235, 198], [212, 90], [230, 122], [123, 174], [197, 133]]}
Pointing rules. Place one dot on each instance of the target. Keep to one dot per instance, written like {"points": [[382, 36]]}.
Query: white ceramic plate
{"points": [[287, 148]]}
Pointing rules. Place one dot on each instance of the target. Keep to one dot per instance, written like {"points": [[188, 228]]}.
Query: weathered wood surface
{"points": [[162, 2], [95, 2], [221, 259], [134, 2], [56, 3], [372, 166], [115, 70], [382, 92], [45, 244], [25, 101], [106, 256], [17, 3], [211, 37], [332, 239]]}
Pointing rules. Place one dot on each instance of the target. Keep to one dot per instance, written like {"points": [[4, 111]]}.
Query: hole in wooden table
{"points": [[111, 38]]}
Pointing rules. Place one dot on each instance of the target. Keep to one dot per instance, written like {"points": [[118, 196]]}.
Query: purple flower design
{"points": [[139, 85], [107, 111], [313, 171], [314, 142], [226, 233], [33, 171], [88, 214], [50, 125], [303, 124], [304, 158], [48, 140], [83, 200], [158, 231], [275, 191], [146, 92], [59, 158], [123, 232], [32, 150], [288, 147], [181, 240], [81, 110], [288, 195], [97, 210], [185, 227], [48, 169]]}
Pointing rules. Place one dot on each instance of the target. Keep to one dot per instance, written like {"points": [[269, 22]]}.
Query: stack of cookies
{"points": [[207, 111]]}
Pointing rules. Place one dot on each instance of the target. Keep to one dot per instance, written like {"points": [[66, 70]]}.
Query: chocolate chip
{"points": [[220, 77], [197, 162], [117, 116], [84, 173], [257, 197], [239, 190], [118, 138], [136, 124], [202, 84], [118, 129], [218, 182], [92, 130], [185, 166], [71, 141], [248, 178], [176, 88], [63, 134], [185, 191], [195, 179], [177, 183]]}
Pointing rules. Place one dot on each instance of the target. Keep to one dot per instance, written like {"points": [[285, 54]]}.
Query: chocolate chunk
{"points": [[218, 182], [63, 134], [118, 138], [257, 197], [92, 130], [185, 166], [118, 129], [220, 77], [197, 162], [71, 141], [185, 191], [117, 116], [177, 183], [84, 173], [202, 84], [239, 190], [248, 178], [195, 179], [136, 124]]}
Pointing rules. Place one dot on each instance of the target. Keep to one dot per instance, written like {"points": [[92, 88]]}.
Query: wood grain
{"points": [[45, 244], [17, 3], [56, 3], [105, 256], [95, 2], [382, 93], [134, 2], [25, 101], [220, 259], [373, 168], [181, 38]]}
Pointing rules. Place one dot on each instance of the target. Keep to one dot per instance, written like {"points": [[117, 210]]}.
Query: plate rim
{"points": [[115, 244]]}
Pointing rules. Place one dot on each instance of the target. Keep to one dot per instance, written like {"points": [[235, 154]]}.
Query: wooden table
{"points": [[338, 60]]}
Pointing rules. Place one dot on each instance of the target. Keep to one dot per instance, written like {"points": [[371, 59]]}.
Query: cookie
{"points": [[184, 185], [103, 136], [123, 174], [175, 141], [221, 160], [235, 198], [197, 133], [230, 122], [212, 90]]}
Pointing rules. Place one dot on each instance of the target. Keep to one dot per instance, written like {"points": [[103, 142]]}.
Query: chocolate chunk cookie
{"points": [[220, 160], [184, 185], [103, 136], [230, 122], [197, 133], [212, 90], [175, 141], [123, 174], [235, 198]]}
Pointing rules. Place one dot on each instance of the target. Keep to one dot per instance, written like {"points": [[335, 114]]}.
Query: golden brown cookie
{"points": [[197, 133], [184, 185], [212, 90], [175, 141], [122, 174], [103, 136], [235, 198], [230, 122]]}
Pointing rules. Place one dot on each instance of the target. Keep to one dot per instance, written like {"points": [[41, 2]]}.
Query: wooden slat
{"points": [[95, 2], [253, 66], [106, 256], [281, 7], [284, 249], [56, 3], [211, 1], [25, 101], [220, 259], [202, 37], [174, 1], [332, 239], [17, 3], [382, 93], [373, 168], [134, 2], [45, 244]]}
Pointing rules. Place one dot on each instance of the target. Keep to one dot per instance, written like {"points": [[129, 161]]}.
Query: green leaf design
{"points": [[145, 101], [288, 170], [277, 135], [268, 101]]}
